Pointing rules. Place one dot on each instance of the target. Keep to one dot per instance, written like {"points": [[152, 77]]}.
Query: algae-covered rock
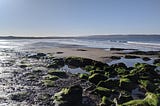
{"points": [[97, 71], [71, 96], [103, 91], [118, 65], [126, 84], [84, 76], [48, 83], [96, 78], [51, 77], [58, 73], [143, 69], [106, 101], [111, 84], [124, 97], [121, 71], [151, 99], [79, 61], [156, 61], [89, 68], [149, 86]]}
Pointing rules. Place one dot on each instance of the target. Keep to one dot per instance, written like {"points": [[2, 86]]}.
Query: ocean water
{"points": [[146, 43]]}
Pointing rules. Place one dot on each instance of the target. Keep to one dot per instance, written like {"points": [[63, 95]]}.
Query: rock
{"points": [[103, 91], [124, 97], [79, 61], [131, 57], [41, 54], [23, 66], [119, 49], [119, 65], [148, 85], [143, 69], [89, 68], [121, 71], [51, 77], [58, 73], [69, 96], [94, 72], [151, 99], [106, 102], [58, 63], [115, 57], [37, 56], [96, 78], [146, 58], [156, 61], [111, 84], [19, 96], [100, 65], [126, 84], [48, 83], [84, 76]]}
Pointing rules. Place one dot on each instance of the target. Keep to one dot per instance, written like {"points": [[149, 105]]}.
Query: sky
{"points": [[79, 17]]}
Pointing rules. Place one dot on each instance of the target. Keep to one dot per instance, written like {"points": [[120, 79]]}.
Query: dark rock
{"points": [[121, 71], [131, 57], [146, 58], [41, 54], [106, 102], [58, 63], [111, 84], [84, 76], [124, 97], [19, 96], [78, 61], [119, 49], [23, 66], [103, 91], [149, 86], [151, 99], [119, 65], [156, 61], [96, 78], [115, 57], [58, 73], [127, 84], [94, 71], [69, 96]]}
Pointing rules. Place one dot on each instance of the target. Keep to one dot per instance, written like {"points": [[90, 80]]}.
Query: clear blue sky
{"points": [[79, 17]]}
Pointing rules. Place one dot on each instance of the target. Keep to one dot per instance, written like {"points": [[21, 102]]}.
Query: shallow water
{"points": [[130, 62], [73, 70]]}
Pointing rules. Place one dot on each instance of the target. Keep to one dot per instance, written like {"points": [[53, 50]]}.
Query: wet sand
{"points": [[91, 53]]}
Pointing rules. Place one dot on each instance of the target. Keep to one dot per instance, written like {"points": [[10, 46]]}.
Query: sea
{"points": [[140, 42]]}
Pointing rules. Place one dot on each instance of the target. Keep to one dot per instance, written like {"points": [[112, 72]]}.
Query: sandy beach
{"points": [[91, 53]]}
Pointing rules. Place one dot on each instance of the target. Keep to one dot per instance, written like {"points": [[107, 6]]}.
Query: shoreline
{"points": [[97, 54]]}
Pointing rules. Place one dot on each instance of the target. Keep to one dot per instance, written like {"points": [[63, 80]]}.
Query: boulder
{"points": [[71, 96], [124, 97], [149, 86], [106, 102], [126, 84], [103, 91], [96, 78], [131, 57], [111, 84], [151, 99], [58, 73]]}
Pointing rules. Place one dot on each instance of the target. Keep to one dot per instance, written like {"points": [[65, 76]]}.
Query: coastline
{"points": [[91, 53]]}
